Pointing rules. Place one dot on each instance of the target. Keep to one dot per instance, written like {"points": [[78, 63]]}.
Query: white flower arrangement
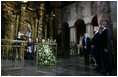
{"points": [[45, 55]]}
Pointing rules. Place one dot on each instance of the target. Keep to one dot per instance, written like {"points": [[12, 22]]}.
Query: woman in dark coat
{"points": [[86, 48]]}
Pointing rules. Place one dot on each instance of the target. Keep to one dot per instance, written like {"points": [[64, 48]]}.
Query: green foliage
{"points": [[45, 55]]}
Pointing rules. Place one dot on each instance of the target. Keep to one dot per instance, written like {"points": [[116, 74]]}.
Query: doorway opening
{"points": [[63, 49], [95, 21], [80, 29], [65, 35]]}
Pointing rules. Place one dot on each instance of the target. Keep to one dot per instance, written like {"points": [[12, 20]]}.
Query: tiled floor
{"points": [[69, 66]]}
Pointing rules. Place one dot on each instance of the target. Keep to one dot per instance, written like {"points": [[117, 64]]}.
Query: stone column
{"points": [[75, 35], [89, 30], [92, 31], [41, 18], [72, 34], [73, 40]]}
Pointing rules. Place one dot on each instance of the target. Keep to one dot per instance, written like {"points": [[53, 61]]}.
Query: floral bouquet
{"points": [[45, 55]]}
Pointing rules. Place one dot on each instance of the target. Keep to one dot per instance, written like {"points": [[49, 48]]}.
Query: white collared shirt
{"points": [[103, 29], [19, 36], [96, 32]]}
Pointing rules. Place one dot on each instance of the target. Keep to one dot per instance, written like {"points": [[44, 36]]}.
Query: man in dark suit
{"points": [[29, 50], [107, 47], [34, 48], [19, 37], [86, 48], [95, 45]]}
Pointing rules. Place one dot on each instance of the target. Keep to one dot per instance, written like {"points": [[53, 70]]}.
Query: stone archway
{"points": [[94, 21], [80, 29], [65, 42]]}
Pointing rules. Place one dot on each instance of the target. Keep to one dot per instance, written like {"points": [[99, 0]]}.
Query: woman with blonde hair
{"points": [[86, 48]]}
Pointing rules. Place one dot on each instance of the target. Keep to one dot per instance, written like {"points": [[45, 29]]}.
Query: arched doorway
{"points": [[65, 35], [89, 26], [95, 21], [80, 30], [64, 41]]}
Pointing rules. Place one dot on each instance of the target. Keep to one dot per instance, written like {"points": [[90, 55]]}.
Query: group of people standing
{"points": [[30, 48], [100, 47]]}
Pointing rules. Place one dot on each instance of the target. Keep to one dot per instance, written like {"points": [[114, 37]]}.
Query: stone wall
{"points": [[73, 12], [113, 6], [113, 14], [104, 10], [77, 10]]}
